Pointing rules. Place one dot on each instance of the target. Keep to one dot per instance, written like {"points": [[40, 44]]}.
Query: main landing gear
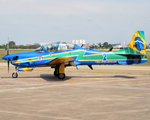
{"points": [[59, 71], [15, 74], [61, 75]]}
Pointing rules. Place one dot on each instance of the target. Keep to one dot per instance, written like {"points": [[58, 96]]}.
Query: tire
{"points": [[15, 75], [61, 75], [55, 74]]}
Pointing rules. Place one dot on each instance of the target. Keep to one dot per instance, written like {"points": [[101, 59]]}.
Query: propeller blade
{"points": [[8, 54], [8, 64]]}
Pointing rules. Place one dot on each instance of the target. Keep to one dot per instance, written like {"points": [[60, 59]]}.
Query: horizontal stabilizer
{"points": [[138, 54], [133, 54]]}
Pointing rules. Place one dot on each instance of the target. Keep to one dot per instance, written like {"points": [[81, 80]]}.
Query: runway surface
{"points": [[106, 93]]}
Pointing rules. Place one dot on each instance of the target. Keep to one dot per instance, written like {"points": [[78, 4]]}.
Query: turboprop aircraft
{"points": [[59, 55]]}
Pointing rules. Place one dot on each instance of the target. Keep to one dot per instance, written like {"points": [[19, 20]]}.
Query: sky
{"points": [[95, 21]]}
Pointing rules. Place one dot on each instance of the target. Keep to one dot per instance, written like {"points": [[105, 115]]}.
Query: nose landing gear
{"points": [[15, 74]]}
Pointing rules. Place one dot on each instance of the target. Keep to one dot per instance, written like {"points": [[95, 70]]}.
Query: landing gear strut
{"points": [[15, 74]]}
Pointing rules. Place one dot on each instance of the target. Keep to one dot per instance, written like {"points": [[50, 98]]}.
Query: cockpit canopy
{"points": [[56, 46]]}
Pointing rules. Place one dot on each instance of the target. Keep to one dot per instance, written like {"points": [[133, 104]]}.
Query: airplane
{"points": [[60, 55]]}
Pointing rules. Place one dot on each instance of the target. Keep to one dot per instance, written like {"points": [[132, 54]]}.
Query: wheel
{"points": [[15, 75], [55, 74], [61, 75]]}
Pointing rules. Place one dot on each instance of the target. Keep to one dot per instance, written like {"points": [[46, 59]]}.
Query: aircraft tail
{"points": [[138, 42], [136, 50], [137, 45]]}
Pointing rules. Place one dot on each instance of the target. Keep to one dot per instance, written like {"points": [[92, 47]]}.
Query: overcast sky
{"points": [[38, 21]]}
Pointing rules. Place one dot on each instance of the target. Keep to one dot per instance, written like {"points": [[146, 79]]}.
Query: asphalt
{"points": [[106, 93]]}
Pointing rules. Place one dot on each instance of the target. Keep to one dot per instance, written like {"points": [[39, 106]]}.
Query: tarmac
{"points": [[106, 93]]}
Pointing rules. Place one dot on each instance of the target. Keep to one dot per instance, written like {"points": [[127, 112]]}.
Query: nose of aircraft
{"points": [[5, 57]]}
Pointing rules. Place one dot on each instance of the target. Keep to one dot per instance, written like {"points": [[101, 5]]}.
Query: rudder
{"points": [[138, 42]]}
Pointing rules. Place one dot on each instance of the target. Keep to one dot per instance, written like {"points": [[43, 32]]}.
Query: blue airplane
{"points": [[59, 55]]}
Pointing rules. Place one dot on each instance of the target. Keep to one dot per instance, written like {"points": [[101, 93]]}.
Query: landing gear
{"points": [[61, 75], [60, 71], [56, 72], [15, 74]]}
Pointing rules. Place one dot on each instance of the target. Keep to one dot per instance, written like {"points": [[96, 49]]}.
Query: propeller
{"points": [[8, 59], [8, 64]]}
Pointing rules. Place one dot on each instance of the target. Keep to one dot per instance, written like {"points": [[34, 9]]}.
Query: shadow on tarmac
{"points": [[52, 78]]}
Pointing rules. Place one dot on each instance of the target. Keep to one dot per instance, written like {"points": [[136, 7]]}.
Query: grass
{"points": [[148, 58], [3, 52]]}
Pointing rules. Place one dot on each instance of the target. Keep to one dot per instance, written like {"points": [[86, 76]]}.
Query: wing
{"points": [[57, 61]]}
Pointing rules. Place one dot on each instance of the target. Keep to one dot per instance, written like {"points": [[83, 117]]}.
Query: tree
{"points": [[12, 43], [110, 46], [99, 44], [105, 44]]}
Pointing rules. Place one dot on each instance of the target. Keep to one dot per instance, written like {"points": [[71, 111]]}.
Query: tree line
{"points": [[20, 47], [105, 45], [12, 45]]}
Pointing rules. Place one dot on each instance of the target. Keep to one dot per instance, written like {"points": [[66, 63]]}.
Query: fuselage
{"points": [[80, 56]]}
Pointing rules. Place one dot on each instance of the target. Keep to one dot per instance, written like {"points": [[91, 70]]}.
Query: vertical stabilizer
{"points": [[138, 42]]}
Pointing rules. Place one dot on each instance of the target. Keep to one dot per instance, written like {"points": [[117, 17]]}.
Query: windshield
{"points": [[40, 49], [57, 46]]}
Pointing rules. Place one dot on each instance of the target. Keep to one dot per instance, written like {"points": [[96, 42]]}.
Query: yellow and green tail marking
{"points": [[138, 42]]}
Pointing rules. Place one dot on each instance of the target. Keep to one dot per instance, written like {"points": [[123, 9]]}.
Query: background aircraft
{"points": [[61, 54]]}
